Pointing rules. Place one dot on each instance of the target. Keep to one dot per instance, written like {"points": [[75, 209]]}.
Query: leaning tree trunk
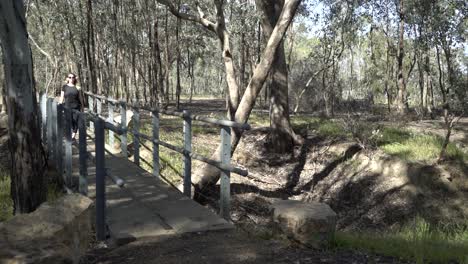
{"points": [[281, 138], [28, 161], [208, 175]]}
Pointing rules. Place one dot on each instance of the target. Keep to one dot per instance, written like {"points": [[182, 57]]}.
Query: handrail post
{"points": [[68, 146], [100, 180], [83, 181], [111, 119], [123, 124], [225, 157], [136, 137], [54, 133], [91, 109], [98, 106], [44, 113], [49, 128], [187, 158], [155, 115], [59, 142]]}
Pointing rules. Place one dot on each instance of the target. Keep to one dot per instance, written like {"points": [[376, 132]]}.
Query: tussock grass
{"points": [[418, 241], [6, 204], [323, 127], [171, 131], [416, 147]]}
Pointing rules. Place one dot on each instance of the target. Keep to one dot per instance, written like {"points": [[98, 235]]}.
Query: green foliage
{"points": [[259, 119], [6, 204], [328, 128], [331, 129], [418, 241], [416, 147], [171, 132], [391, 135]]}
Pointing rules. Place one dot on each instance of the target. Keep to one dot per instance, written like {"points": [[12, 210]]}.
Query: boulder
{"points": [[3, 120], [310, 223], [57, 232], [129, 117]]}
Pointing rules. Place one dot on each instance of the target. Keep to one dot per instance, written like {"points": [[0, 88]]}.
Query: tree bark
{"points": [[178, 86], [28, 161], [207, 174], [281, 138], [91, 48], [401, 97]]}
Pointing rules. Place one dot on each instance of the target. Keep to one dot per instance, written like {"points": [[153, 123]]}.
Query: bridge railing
{"points": [[223, 164], [57, 138], [56, 133]]}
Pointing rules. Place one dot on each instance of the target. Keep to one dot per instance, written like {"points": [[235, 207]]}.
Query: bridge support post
{"points": [[155, 116], [98, 106], [188, 150], [136, 137], [110, 107], [91, 109], [123, 124], [59, 141], [43, 103], [68, 147], [225, 189], [49, 129], [83, 181], [100, 180]]}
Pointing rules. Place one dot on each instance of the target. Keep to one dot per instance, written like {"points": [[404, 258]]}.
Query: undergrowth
{"points": [[171, 131], [418, 241], [416, 147], [6, 204]]}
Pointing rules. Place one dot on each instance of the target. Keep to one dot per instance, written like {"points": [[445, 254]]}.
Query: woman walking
{"points": [[72, 98]]}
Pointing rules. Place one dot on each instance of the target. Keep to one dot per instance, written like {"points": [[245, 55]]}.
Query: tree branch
{"points": [[201, 18]]}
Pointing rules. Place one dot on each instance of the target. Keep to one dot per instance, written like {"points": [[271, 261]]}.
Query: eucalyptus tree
{"points": [[239, 108], [281, 138], [449, 27], [28, 161]]}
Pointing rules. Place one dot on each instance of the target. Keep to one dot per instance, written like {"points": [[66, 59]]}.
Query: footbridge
{"points": [[130, 202]]}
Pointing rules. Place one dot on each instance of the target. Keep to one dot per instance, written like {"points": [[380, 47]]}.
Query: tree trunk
{"points": [[91, 48], [157, 52], [233, 87], [401, 97], [167, 62], [208, 175], [28, 161], [281, 138], [428, 85], [178, 87]]}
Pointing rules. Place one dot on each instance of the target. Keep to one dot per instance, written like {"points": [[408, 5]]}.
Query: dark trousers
{"points": [[75, 119]]}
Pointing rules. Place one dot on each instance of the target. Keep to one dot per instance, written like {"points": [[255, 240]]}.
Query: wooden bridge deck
{"points": [[146, 206]]}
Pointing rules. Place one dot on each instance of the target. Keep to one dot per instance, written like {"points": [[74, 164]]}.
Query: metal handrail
{"points": [[225, 151], [215, 163], [58, 120], [220, 122]]}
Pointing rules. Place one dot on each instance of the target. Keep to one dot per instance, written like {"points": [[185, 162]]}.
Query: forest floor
{"points": [[378, 174]]}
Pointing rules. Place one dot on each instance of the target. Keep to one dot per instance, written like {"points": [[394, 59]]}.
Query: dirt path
{"points": [[232, 246]]}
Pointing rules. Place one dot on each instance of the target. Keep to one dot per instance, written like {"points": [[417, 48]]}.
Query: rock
{"points": [[311, 223], [58, 232], [3, 121], [129, 117]]}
